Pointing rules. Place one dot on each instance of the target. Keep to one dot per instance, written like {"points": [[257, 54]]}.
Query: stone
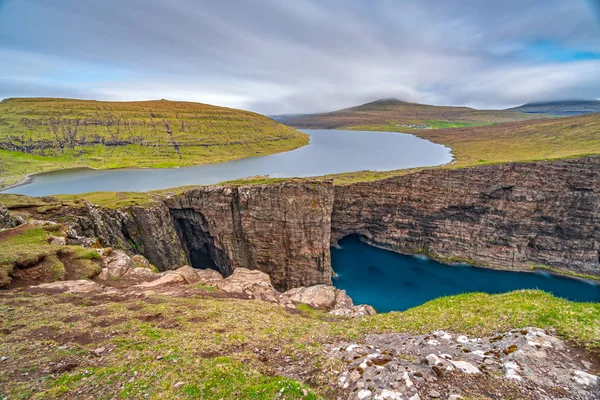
{"points": [[584, 378], [178, 385], [389, 395], [99, 351], [140, 261], [325, 297], [251, 283], [193, 275], [3, 358], [454, 397], [58, 241], [116, 264], [364, 394], [434, 394], [79, 286], [354, 312], [169, 278], [465, 367]]}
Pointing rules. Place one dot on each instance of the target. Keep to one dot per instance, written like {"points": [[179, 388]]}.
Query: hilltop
{"points": [[43, 134], [395, 113], [561, 108]]}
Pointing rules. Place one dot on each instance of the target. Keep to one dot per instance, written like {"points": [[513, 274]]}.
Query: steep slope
{"points": [[404, 115], [46, 134], [562, 108]]}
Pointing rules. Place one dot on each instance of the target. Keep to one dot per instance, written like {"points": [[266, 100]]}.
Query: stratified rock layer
{"points": [[281, 229], [509, 216]]}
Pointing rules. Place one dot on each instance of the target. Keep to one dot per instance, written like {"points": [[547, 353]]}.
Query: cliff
{"points": [[281, 229], [507, 215], [510, 216]]}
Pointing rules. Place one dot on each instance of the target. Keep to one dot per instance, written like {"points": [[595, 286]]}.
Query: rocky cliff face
{"points": [[282, 229], [508, 216]]}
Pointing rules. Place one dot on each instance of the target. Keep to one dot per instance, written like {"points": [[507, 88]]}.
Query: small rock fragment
{"points": [[178, 385]]}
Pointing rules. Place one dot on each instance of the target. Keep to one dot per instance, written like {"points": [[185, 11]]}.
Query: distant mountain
{"points": [[401, 114], [562, 108]]}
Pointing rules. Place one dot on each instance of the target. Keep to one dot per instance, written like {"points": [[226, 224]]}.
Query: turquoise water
{"points": [[394, 282]]}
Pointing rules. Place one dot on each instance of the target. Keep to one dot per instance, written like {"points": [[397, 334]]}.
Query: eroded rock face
{"points": [[508, 216], [281, 229], [527, 363], [7, 220]]}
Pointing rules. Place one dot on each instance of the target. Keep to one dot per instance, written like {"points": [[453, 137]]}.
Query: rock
{"points": [[389, 395], [583, 378], [140, 261], [7, 220], [254, 284], [116, 264], [364, 394], [193, 275], [465, 367], [320, 296], [178, 385], [354, 312], [99, 351], [80, 286], [461, 214], [58, 241], [408, 363], [3, 358], [169, 278]]}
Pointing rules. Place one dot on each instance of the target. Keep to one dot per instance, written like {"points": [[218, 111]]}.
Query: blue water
{"points": [[329, 152], [394, 282]]}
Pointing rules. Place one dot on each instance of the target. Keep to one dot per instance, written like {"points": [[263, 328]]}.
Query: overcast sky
{"points": [[298, 56]]}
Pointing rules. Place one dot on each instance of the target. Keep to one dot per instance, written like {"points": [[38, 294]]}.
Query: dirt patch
{"points": [[155, 317], [71, 319], [196, 320], [44, 333], [8, 233], [79, 337]]}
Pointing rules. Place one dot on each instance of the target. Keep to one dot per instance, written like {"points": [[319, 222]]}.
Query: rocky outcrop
{"points": [[521, 364], [281, 229], [509, 216], [7, 220]]}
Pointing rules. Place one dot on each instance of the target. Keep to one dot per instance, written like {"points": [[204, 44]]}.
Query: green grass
{"points": [[38, 135], [214, 345], [27, 246]]}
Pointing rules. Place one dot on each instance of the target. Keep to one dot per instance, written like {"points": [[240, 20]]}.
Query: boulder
{"points": [[116, 264], [194, 275], [7, 220], [169, 278], [140, 261], [80, 286], [251, 283], [321, 297], [354, 311]]}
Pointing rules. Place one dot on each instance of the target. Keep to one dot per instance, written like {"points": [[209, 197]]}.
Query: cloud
{"points": [[301, 56]]}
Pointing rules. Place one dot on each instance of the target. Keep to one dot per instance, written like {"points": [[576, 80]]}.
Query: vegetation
{"points": [[39, 135], [394, 113], [205, 347], [28, 251]]}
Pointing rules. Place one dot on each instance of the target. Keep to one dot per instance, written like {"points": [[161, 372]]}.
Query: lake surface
{"points": [[394, 282], [329, 152]]}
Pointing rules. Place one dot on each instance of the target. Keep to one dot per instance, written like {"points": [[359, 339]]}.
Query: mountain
{"points": [[400, 114], [42, 134], [561, 108]]}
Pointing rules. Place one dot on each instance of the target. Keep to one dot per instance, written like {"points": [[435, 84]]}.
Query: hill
{"points": [[561, 108], [43, 134], [395, 113]]}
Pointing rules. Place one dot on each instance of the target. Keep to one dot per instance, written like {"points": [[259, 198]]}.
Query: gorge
{"points": [[508, 216]]}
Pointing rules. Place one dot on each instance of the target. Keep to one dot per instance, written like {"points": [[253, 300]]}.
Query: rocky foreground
{"points": [[526, 363]]}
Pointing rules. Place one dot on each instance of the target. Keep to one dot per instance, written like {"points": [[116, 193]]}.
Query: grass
{"points": [[38, 135], [28, 247], [228, 348]]}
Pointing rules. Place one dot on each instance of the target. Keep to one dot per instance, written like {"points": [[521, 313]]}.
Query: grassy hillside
{"points": [[543, 139], [562, 108], [395, 113], [46, 134]]}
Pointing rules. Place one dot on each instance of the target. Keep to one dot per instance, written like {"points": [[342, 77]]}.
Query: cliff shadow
{"points": [[192, 229]]}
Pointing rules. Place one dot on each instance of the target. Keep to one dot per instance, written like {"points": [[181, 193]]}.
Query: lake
{"points": [[394, 282], [329, 152]]}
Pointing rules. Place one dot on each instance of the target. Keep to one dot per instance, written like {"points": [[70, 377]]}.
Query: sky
{"points": [[302, 56]]}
